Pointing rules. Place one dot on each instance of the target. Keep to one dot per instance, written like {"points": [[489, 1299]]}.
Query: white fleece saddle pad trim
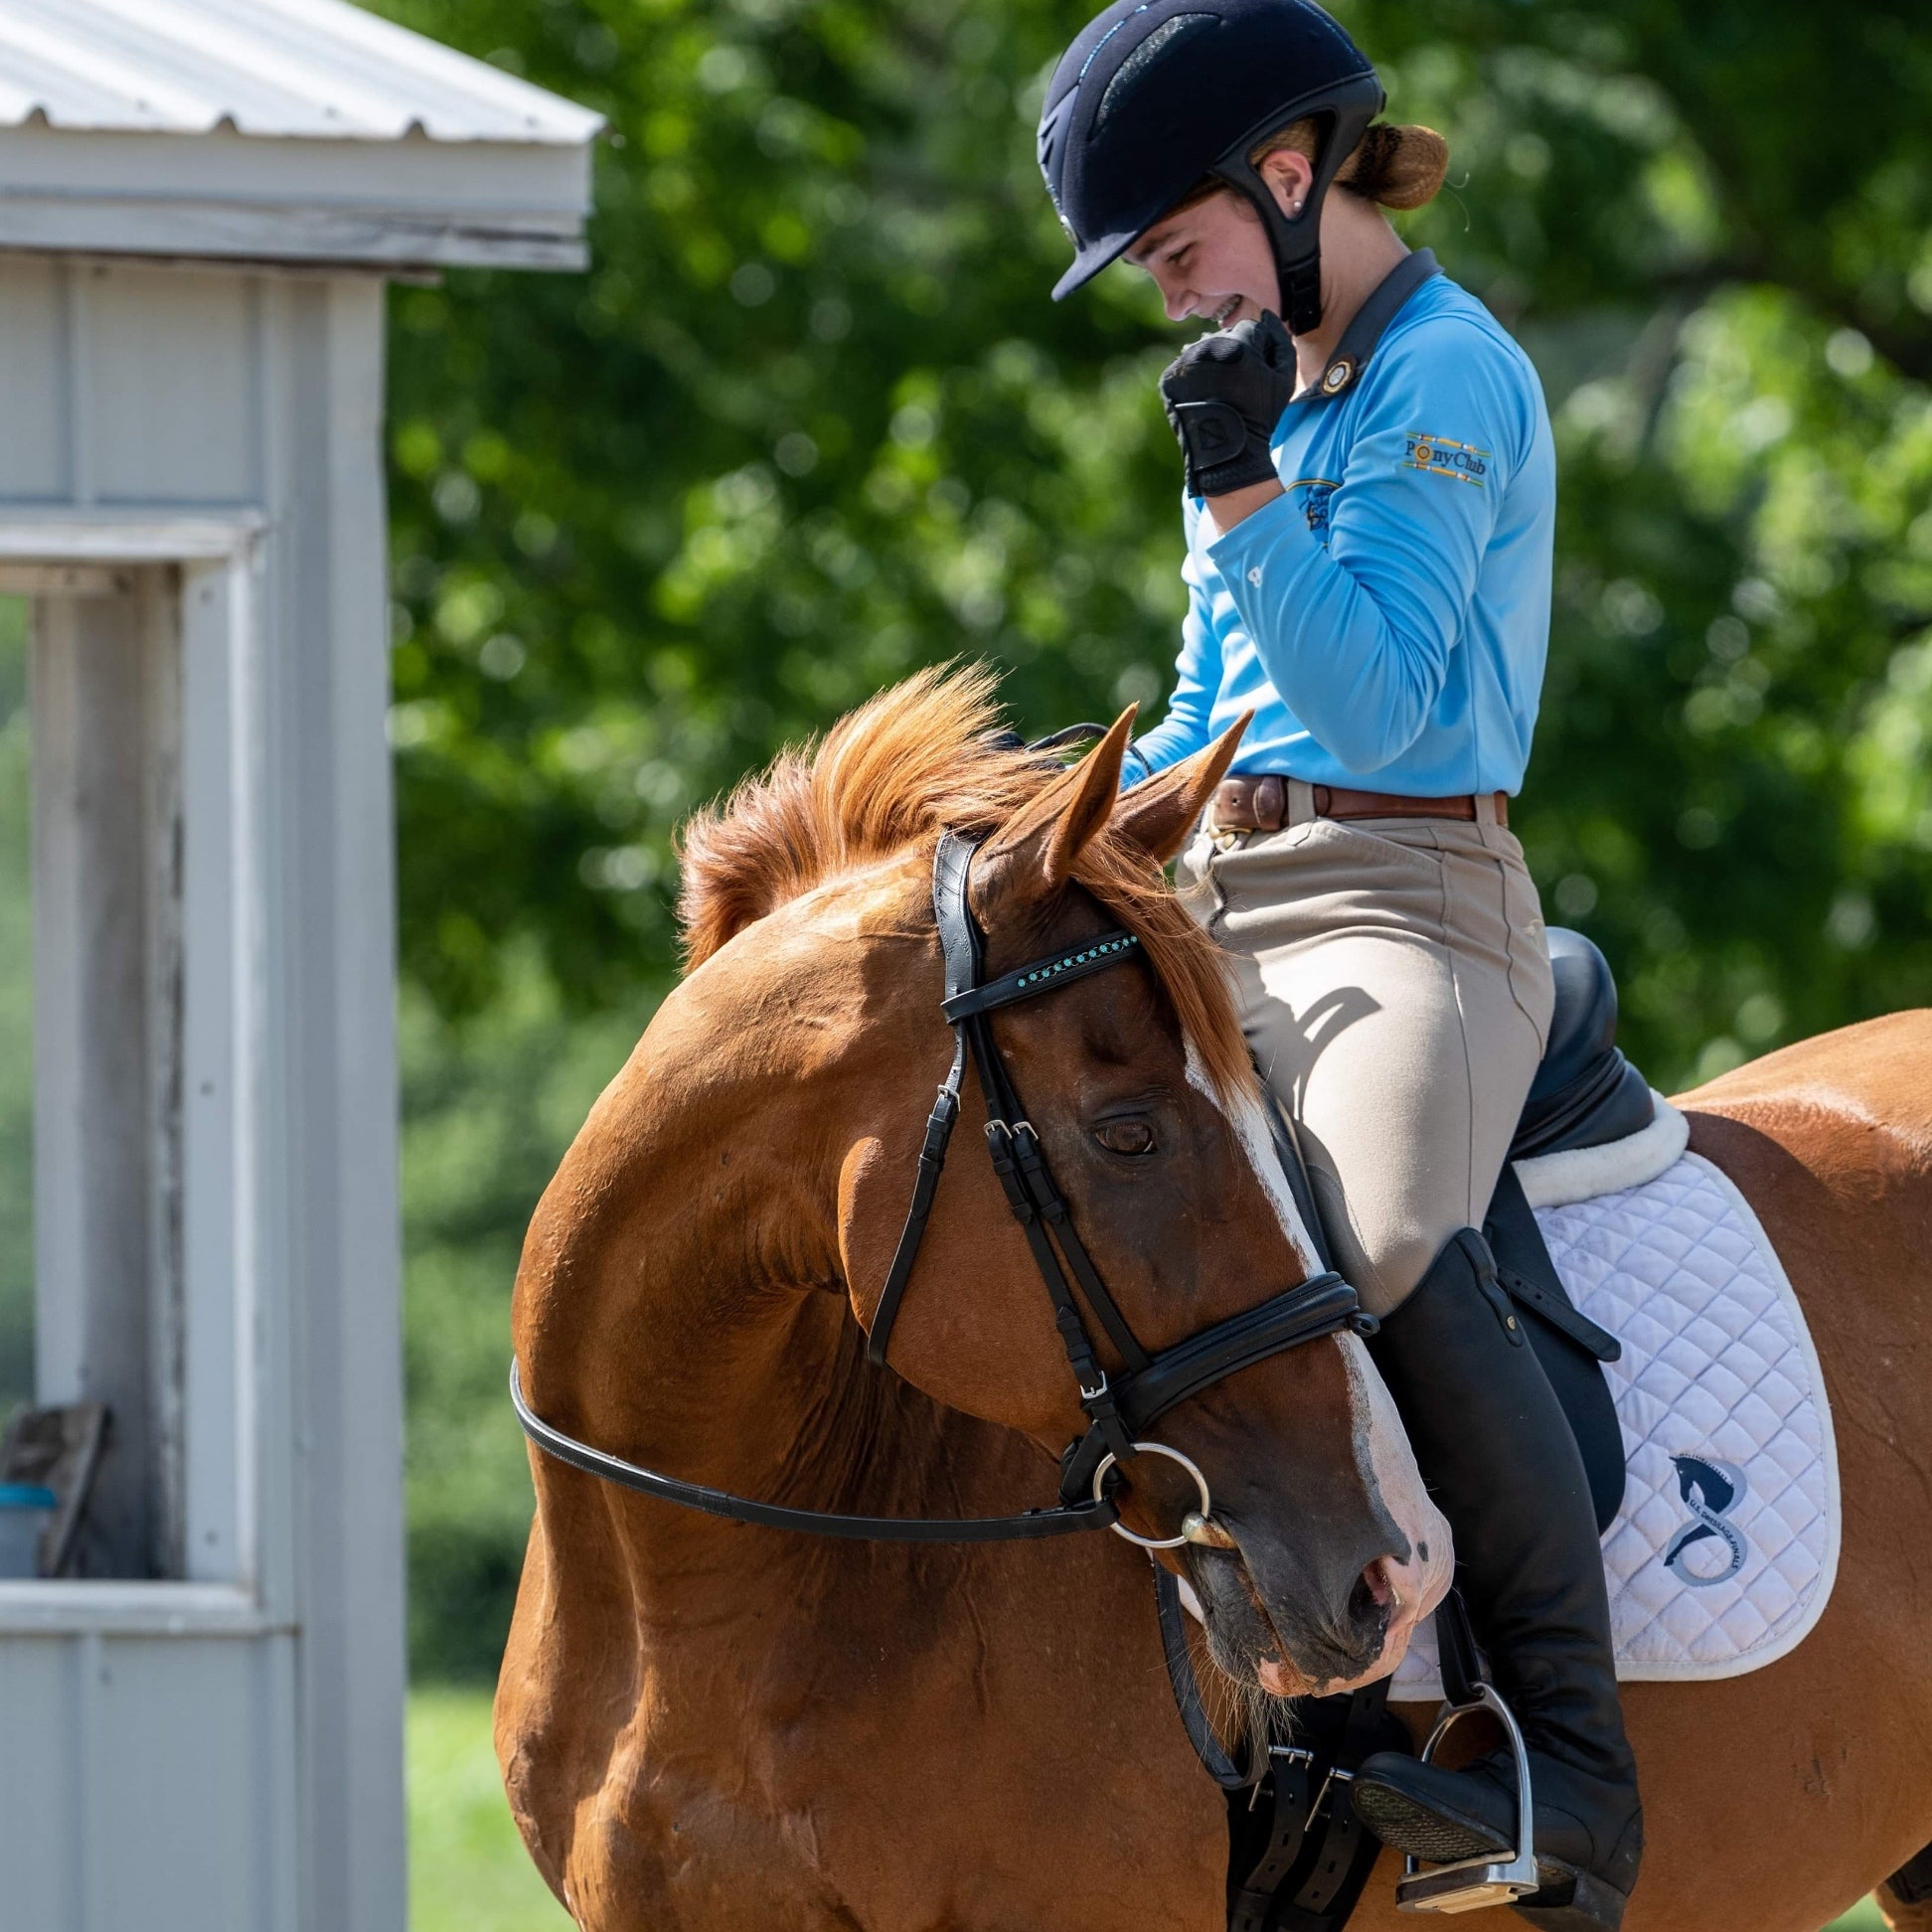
{"points": [[1725, 1550], [1584, 1173]]}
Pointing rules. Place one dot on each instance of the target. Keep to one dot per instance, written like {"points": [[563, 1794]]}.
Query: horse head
{"points": [[1324, 1550]]}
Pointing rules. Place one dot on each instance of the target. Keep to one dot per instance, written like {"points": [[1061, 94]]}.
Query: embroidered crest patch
{"points": [[1444, 456], [1316, 491]]}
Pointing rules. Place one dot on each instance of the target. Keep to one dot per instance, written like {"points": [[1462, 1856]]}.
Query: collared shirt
{"points": [[1388, 617]]}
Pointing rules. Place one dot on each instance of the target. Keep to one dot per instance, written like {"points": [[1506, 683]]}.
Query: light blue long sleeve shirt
{"points": [[1388, 617]]}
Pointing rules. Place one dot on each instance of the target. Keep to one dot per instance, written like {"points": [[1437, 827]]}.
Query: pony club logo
{"points": [[1710, 1490], [1444, 456]]}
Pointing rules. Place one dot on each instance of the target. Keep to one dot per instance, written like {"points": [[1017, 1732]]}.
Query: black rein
{"points": [[1060, 1522]]}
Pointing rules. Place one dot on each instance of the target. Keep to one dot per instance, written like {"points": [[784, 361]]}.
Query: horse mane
{"points": [[922, 756]]}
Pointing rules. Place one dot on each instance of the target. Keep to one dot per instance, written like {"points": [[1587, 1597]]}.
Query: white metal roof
{"points": [[315, 70], [291, 129]]}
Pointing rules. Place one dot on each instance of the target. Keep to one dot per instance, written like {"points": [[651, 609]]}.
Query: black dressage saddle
{"points": [[1586, 1093]]}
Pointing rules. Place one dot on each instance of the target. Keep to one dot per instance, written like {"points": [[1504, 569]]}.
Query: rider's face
{"points": [[1211, 259]]}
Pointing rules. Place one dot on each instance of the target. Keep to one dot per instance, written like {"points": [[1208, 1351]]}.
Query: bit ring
{"points": [[1173, 1455]]}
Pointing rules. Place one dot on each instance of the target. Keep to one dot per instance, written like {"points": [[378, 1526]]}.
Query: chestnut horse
{"points": [[715, 1725]]}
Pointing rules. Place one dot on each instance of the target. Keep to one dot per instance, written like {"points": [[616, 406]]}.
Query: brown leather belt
{"points": [[1259, 803]]}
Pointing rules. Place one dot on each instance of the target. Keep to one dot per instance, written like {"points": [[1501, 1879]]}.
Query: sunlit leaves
{"points": [[810, 420]]}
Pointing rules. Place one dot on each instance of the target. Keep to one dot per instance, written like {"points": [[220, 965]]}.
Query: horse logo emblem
{"points": [[1711, 1489]]}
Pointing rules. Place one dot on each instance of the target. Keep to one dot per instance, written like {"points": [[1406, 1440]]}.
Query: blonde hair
{"points": [[1394, 167]]}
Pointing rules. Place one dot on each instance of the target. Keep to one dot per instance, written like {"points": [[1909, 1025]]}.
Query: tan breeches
{"points": [[1395, 990]]}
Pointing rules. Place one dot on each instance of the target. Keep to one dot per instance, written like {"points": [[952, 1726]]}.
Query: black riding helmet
{"points": [[1154, 94]]}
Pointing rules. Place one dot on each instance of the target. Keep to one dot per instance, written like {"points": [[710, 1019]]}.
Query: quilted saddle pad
{"points": [[1724, 1552]]}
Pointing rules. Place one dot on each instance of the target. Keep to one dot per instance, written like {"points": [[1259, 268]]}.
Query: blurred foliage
{"points": [[810, 420], [16, 1019], [489, 1101]]}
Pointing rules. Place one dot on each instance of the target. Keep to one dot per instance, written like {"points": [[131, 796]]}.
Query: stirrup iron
{"points": [[1471, 1883]]}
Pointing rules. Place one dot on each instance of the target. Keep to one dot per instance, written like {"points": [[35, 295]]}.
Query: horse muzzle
{"points": [[1298, 1628]]}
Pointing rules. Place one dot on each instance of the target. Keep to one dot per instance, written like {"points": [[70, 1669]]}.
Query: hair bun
{"points": [[1399, 167]]}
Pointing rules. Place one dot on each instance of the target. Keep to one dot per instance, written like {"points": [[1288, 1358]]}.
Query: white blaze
{"points": [[1250, 1123], [1383, 1459]]}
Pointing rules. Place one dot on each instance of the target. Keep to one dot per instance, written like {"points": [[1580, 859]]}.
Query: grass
{"points": [[468, 1871]]}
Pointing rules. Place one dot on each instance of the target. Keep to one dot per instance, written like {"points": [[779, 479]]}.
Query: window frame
{"points": [[220, 914]]}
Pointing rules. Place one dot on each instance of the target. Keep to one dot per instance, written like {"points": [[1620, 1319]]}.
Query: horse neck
{"points": [[681, 1304], [762, 1388]]}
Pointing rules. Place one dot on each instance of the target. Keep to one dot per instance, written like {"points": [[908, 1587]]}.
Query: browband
{"points": [[1043, 975]]}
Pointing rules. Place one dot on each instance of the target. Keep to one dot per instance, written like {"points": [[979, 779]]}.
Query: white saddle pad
{"points": [[1724, 1552]]}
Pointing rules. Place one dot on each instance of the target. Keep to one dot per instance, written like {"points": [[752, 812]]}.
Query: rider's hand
{"points": [[1225, 393]]}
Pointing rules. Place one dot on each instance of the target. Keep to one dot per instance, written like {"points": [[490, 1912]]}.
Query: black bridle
{"points": [[1118, 1409]]}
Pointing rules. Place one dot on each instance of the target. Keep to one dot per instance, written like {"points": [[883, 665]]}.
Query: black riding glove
{"points": [[1225, 393]]}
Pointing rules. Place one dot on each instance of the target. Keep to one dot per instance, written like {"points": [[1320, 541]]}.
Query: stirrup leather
{"points": [[1471, 1883]]}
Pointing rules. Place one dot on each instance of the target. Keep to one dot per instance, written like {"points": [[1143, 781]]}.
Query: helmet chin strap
{"points": [[1296, 239]]}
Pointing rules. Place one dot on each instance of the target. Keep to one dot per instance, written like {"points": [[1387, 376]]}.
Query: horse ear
{"points": [[1157, 813], [1035, 849]]}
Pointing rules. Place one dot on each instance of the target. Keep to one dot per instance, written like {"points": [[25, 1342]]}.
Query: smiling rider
{"points": [[1369, 507]]}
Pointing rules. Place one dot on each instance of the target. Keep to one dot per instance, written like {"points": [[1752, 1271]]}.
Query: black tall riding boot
{"points": [[1500, 1460]]}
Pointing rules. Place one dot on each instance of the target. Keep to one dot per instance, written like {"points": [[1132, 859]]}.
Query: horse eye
{"points": [[1126, 1137]]}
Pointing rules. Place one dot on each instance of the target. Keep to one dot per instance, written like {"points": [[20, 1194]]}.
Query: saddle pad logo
{"points": [[1711, 1489], [1444, 456]]}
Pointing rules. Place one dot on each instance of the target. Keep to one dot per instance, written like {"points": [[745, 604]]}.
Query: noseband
{"points": [[1120, 1409]]}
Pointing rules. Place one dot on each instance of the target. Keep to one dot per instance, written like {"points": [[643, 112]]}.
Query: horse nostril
{"points": [[1372, 1600]]}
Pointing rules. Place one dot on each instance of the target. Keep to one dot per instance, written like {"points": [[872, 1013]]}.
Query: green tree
{"points": [[810, 420]]}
